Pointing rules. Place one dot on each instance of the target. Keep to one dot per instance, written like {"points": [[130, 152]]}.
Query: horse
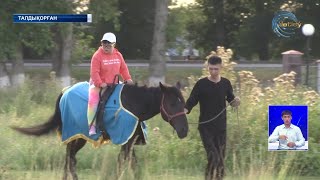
{"points": [[144, 102]]}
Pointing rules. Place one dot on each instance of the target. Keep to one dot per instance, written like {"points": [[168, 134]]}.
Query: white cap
{"points": [[109, 37]]}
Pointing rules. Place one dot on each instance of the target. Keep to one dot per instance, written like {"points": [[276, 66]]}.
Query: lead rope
{"points": [[238, 115], [215, 117], [212, 119]]}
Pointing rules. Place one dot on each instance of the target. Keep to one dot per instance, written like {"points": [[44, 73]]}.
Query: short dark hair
{"points": [[213, 60], [286, 112]]}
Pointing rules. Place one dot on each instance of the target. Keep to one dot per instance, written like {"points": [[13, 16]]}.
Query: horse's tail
{"points": [[53, 123]]}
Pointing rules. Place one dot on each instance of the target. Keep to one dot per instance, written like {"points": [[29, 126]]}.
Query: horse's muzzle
{"points": [[182, 133], [181, 127]]}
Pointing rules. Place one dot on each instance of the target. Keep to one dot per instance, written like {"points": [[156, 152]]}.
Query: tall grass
{"points": [[166, 156]]}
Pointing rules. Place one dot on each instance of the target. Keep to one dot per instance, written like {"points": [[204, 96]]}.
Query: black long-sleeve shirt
{"points": [[212, 99]]}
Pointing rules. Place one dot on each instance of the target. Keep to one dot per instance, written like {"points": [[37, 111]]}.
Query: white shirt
{"points": [[293, 133]]}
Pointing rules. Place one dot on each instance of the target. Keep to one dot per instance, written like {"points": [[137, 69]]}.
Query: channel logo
{"points": [[285, 23]]}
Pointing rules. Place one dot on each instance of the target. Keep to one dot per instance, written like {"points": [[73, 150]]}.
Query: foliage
{"points": [[246, 27], [35, 36], [177, 23], [136, 28], [81, 48], [38, 40], [106, 17], [246, 158], [183, 27], [23, 102], [221, 22]]}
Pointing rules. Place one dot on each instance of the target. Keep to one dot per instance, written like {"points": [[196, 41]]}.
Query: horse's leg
{"points": [[121, 159], [75, 146], [67, 161], [133, 159], [126, 155]]}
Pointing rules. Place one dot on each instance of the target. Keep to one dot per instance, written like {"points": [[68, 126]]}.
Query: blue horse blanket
{"points": [[118, 121]]}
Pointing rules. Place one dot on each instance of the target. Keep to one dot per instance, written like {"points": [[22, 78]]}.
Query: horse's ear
{"points": [[162, 87]]}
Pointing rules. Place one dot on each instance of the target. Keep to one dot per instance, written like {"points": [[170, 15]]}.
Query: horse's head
{"points": [[172, 109]]}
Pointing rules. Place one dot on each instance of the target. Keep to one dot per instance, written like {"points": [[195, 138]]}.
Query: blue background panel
{"points": [[299, 117]]}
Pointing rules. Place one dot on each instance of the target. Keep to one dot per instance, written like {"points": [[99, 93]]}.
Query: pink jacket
{"points": [[105, 66]]}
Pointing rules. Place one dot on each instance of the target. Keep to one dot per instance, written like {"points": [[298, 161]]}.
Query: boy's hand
{"points": [[235, 102]]}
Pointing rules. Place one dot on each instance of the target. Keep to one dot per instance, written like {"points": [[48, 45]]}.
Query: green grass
{"points": [[40, 175], [86, 175], [90, 174], [166, 156]]}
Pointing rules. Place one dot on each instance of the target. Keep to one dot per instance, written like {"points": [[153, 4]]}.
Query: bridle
{"points": [[170, 117]]}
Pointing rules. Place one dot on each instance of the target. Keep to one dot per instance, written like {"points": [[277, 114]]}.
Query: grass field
{"points": [[166, 157], [91, 175]]}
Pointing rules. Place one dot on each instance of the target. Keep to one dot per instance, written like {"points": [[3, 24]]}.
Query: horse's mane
{"points": [[137, 90], [152, 91]]}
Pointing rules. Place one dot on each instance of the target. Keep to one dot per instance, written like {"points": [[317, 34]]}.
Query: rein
{"points": [[169, 116], [215, 117]]}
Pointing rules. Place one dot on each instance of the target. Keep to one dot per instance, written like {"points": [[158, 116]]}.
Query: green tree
{"points": [[255, 38], [16, 36], [136, 28], [257, 31], [245, 26], [105, 19], [177, 23], [55, 39], [222, 20], [182, 26], [308, 12]]}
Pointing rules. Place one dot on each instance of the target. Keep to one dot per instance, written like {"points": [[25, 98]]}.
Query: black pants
{"points": [[214, 143]]}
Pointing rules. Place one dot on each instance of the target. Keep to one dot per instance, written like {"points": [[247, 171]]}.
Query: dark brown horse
{"points": [[144, 102]]}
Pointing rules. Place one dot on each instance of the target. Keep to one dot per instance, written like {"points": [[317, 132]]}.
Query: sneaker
{"points": [[92, 130]]}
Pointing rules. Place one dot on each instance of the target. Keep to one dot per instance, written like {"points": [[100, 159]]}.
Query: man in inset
{"points": [[288, 135]]}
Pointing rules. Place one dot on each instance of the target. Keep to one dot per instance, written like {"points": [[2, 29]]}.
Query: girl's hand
{"points": [[103, 85], [129, 81]]}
